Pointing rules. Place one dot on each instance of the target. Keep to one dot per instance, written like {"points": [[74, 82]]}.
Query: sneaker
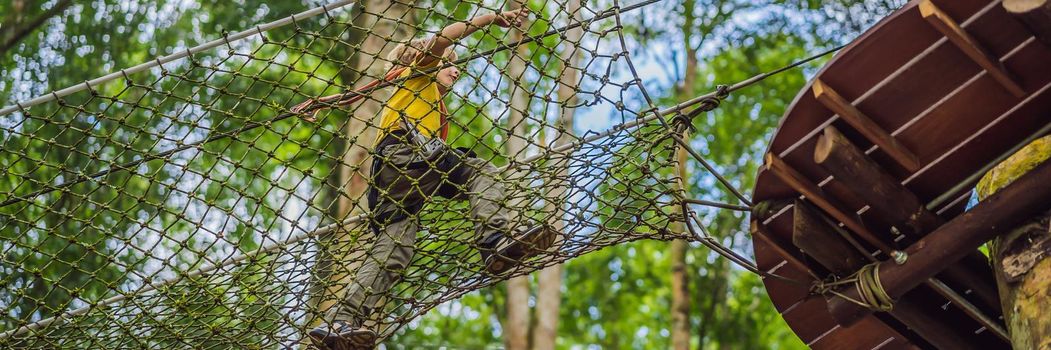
{"points": [[342, 336], [501, 253]]}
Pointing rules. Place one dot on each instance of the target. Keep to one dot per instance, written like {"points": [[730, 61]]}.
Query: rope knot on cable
{"points": [[870, 289], [683, 122]]}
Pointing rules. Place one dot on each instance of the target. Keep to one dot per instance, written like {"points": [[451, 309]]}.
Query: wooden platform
{"points": [[939, 113]]}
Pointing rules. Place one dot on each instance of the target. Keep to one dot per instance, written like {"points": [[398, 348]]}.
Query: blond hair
{"points": [[405, 53]]}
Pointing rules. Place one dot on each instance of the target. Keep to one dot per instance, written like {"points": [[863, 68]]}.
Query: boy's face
{"points": [[448, 76]]}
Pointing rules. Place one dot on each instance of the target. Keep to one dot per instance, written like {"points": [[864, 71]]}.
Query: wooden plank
{"points": [[855, 74], [998, 32], [971, 47], [872, 131], [980, 146], [968, 119], [785, 294], [766, 255], [961, 107], [942, 68], [812, 323], [759, 232], [1036, 14], [814, 194], [1027, 196], [809, 319], [869, 333], [774, 258]]}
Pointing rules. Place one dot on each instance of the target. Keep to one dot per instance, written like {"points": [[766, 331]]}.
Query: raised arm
{"points": [[456, 31], [441, 41]]}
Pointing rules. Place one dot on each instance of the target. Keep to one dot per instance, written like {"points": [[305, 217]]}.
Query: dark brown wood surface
{"points": [[935, 101], [1018, 202], [856, 118], [827, 246], [1036, 14], [971, 47], [820, 241], [895, 205]]}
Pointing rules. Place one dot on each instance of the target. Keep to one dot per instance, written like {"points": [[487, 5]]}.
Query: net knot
{"points": [[722, 91], [682, 122], [685, 121]]}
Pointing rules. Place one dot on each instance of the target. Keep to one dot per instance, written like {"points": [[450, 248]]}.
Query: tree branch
{"points": [[12, 34]]}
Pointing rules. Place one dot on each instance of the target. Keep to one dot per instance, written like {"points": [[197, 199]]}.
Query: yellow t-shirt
{"points": [[418, 99]]}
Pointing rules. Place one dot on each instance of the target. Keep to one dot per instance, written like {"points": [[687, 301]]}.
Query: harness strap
{"points": [[388, 217], [444, 112]]}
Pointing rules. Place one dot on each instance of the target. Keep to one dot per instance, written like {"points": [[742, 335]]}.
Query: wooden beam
{"points": [[1035, 14], [821, 241], [764, 210], [763, 233], [971, 47], [1026, 197], [813, 193], [893, 203], [873, 132]]}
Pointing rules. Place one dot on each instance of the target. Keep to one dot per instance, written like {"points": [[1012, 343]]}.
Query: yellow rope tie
{"points": [[870, 289]]}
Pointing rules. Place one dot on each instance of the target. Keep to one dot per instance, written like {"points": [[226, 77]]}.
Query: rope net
{"points": [[187, 206]]}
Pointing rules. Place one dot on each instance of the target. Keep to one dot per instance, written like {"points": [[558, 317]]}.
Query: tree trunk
{"points": [[680, 287], [709, 317], [396, 25], [517, 327], [680, 304], [549, 290], [1021, 258], [365, 63], [680, 295], [680, 292], [689, 77]]}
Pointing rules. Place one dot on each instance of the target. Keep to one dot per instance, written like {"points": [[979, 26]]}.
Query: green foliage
{"points": [[61, 250], [67, 249]]}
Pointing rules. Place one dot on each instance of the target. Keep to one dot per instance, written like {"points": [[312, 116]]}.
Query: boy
{"points": [[411, 164]]}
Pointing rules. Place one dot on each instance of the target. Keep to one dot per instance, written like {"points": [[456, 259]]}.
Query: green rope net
{"points": [[184, 206]]}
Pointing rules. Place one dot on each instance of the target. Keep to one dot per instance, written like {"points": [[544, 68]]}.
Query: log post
{"points": [[1021, 256], [896, 205], [812, 234], [1035, 14], [1026, 197], [885, 195]]}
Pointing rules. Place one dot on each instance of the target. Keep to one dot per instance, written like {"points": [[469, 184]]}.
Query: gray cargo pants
{"points": [[399, 190]]}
